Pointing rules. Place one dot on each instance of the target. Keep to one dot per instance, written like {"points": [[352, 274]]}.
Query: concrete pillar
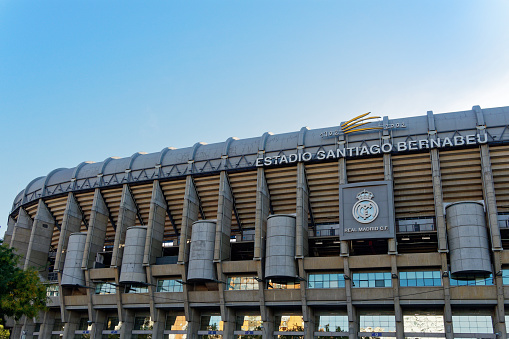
{"points": [[155, 226], [224, 219], [98, 325], [71, 223], [40, 239], [21, 235], [190, 214], [127, 324], [96, 234], [301, 234], [261, 214], [126, 218], [72, 322], [193, 323], [8, 233], [496, 242], [440, 224], [28, 328], [17, 330], [159, 323], [47, 325], [151, 290], [268, 322], [228, 317], [489, 198]]}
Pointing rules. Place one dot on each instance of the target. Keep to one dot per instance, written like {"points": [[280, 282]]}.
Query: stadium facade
{"points": [[373, 228]]}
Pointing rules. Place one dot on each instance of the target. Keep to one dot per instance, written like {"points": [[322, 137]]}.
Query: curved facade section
{"points": [[72, 274], [201, 257], [132, 262], [468, 238], [280, 256]]}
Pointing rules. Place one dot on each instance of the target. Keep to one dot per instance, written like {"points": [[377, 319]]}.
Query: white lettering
{"points": [[459, 140], [320, 155], [375, 149], [267, 161], [340, 153], [293, 158], [307, 156], [423, 143], [330, 154], [259, 162], [471, 139], [412, 145], [387, 148], [447, 142], [402, 146], [283, 160], [364, 150], [482, 141], [434, 143]]}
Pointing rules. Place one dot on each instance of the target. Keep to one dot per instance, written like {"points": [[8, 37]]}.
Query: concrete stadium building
{"points": [[373, 228]]}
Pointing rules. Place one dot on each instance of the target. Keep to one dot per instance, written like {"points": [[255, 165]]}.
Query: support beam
{"points": [[262, 212], [235, 212], [440, 223], [8, 233], [138, 214], [40, 239], [71, 223], [224, 219], [190, 213], [301, 232], [96, 232], [21, 235], [155, 228], [126, 218]]}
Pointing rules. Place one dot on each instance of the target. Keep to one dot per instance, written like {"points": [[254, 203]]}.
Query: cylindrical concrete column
{"points": [[468, 238], [201, 256], [280, 254], [73, 274], [132, 262]]}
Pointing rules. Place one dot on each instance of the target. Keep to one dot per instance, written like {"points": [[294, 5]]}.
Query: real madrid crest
{"points": [[365, 210]]}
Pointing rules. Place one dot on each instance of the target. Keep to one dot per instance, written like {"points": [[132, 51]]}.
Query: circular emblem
{"points": [[365, 210]]}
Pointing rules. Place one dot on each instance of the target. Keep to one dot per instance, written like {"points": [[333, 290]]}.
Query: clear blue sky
{"points": [[85, 80]]}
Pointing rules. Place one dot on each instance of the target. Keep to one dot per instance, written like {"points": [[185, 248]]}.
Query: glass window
{"points": [[136, 289], [176, 322], [290, 285], [242, 283], [331, 323], [58, 325], [472, 324], [211, 323], [424, 322], [505, 276], [143, 323], [52, 290], [472, 280], [105, 288], [289, 323], [372, 279], [248, 323], [415, 225], [377, 323], [169, 285], [326, 280], [112, 324], [421, 278]]}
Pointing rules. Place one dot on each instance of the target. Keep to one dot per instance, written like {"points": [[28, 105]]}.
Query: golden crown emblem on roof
{"points": [[353, 125]]}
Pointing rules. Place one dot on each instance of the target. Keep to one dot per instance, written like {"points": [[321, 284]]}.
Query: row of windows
{"points": [[420, 322], [324, 280]]}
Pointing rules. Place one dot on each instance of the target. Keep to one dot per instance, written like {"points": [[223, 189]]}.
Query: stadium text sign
{"points": [[348, 152]]}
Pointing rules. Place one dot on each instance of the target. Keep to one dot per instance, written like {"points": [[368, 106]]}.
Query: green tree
{"points": [[4, 334], [22, 293]]}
